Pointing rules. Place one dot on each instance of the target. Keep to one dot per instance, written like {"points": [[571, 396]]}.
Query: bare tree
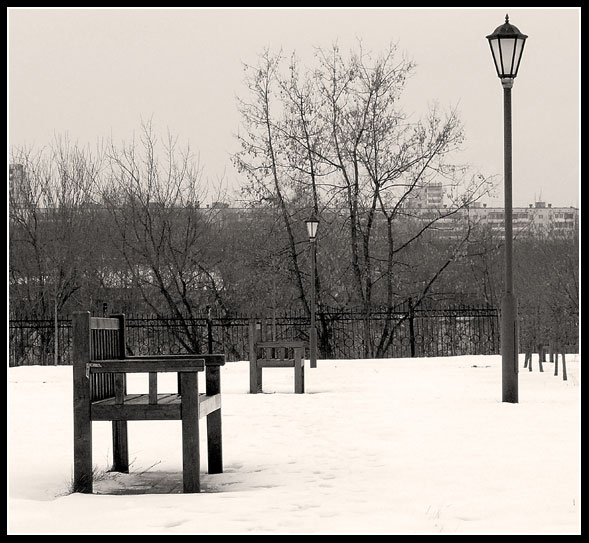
{"points": [[337, 134], [153, 195], [547, 282], [48, 200], [263, 147], [49, 252]]}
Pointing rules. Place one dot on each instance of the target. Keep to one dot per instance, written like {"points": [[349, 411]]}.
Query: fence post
{"points": [[411, 327], [209, 330], [556, 365], [540, 364], [55, 339]]}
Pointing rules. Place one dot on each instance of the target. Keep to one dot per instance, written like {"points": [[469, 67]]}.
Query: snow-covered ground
{"points": [[397, 446]]}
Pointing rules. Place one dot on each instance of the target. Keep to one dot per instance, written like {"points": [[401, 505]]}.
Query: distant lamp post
{"points": [[507, 45], [312, 224]]}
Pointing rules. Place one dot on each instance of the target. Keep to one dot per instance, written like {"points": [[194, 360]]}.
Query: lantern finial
{"points": [[507, 18]]}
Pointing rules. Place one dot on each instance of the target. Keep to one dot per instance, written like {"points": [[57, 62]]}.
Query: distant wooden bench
{"points": [[100, 366], [275, 354]]}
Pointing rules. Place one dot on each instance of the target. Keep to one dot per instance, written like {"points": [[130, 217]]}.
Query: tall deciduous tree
{"points": [[334, 138], [164, 236], [49, 199], [49, 208]]}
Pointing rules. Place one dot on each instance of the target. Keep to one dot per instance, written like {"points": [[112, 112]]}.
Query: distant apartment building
{"points": [[16, 177], [430, 196], [536, 218]]}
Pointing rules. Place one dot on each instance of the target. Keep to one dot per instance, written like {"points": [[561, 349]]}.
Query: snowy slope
{"points": [[374, 446]]}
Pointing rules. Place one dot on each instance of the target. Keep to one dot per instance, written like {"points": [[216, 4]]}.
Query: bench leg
{"points": [[214, 431], [190, 435], [81, 396], [255, 377], [255, 372], [299, 373], [215, 442], [120, 446], [82, 454]]}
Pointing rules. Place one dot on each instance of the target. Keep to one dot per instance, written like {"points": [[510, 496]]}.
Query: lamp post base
{"points": [[509, 348], [313, 348]]}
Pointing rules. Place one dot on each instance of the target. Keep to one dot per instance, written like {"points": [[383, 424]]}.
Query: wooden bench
{"points": [[100, 366], [275, 354]]}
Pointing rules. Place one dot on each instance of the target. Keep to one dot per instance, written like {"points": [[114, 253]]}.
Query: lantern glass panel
{"points": [[496, 55], [507, 53], [519, 46]]}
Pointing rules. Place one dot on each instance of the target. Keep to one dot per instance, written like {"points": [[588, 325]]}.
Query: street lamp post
{"points": [[507, 45], [312, 225]]}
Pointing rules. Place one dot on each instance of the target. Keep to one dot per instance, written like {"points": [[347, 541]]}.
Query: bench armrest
{"points": [[209, 359], [149, 365]]}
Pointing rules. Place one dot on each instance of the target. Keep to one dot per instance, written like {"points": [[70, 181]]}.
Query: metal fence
{"points": [[32, 342], [404, 332]]}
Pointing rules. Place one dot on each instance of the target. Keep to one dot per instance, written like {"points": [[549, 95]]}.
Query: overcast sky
{"points": [[96, 73]]}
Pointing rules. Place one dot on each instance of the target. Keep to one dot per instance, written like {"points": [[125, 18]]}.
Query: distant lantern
{"points": [[312, 225], [507, 45]]}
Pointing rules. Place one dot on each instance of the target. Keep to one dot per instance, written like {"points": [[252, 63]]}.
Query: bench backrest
{"points": [[279, 349], [99, 338], [262, 347]]}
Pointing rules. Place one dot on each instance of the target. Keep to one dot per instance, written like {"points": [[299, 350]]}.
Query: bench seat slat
{"points": [[167, 398], [133, 399], [127, 398], [137, 407]]}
